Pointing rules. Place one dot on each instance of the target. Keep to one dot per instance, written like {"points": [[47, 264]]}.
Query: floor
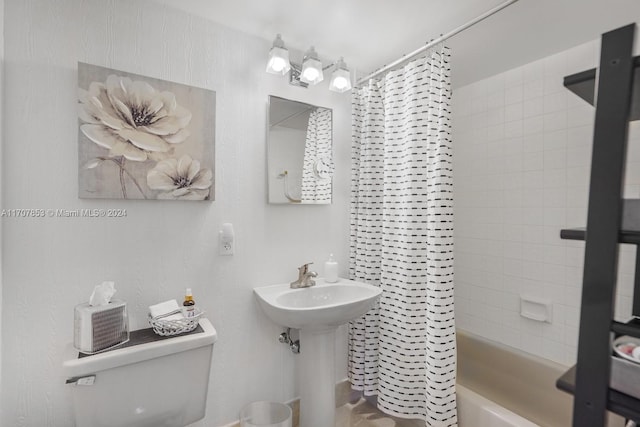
{"points": [[352, 410], [362, 413]]}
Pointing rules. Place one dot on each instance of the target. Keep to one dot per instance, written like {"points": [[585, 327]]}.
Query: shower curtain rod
{"points": [[436, 41]]}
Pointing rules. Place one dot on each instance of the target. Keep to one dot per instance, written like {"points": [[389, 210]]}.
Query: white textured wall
{"points": [[522, 157], [1, 180], [160, 248]]}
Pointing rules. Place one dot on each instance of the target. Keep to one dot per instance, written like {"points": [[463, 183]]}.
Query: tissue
{"points": [[102, 294]]}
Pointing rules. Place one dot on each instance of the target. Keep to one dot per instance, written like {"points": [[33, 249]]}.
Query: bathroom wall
{"points": [[52, 264], [522, 155], [1, 180]]}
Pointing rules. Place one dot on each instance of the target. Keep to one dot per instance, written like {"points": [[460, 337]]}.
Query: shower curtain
{"points": [[316, 189], [404, 350]]}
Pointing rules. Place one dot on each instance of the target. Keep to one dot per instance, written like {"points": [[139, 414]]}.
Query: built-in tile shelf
{"points": [[619, 403], [583, 84]]}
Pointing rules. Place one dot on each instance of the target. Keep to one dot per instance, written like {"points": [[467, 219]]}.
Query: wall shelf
{"points": [[583, 84]]}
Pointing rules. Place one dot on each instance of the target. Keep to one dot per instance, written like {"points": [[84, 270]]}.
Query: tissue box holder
{"points": [[167, 328], [99, 328]]}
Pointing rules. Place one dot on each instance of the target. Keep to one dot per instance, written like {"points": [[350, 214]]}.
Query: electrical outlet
{"points": [[226, 237], [226, 248]]}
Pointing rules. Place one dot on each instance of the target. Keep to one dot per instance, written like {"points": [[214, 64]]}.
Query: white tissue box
{"points": [[97, 328]]}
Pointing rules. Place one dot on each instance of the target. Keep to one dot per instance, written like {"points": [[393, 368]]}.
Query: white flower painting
{"points": [[180, 179], [143, 138]]}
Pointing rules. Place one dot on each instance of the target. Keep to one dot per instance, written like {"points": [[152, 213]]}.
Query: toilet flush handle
{"points": [[86, 380]]}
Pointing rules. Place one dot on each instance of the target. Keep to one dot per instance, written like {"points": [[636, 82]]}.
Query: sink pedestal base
{"points": [[317, 384], [317, 312]]}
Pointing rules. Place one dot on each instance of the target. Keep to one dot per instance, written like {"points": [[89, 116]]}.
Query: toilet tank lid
{"points": [[74, 366]]}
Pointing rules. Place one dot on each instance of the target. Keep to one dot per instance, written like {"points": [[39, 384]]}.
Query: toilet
{"points": [[153, 381]]}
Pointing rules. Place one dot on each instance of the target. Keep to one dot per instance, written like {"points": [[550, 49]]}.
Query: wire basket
{"points": [[170, 327]]}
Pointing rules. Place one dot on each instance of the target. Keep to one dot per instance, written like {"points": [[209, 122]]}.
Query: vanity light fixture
{"points": [[340, 78], [311, 68], [278, 58], [310, 72]]}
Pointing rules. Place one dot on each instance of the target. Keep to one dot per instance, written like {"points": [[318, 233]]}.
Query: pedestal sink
{"points": [[317, 311]]}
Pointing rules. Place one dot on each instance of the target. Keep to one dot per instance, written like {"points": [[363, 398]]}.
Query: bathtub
{"points": [[500, 386], [497, 386], [477, 411]]}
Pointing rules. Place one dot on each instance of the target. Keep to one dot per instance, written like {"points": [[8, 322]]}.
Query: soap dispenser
{"points": [[331, 270]]}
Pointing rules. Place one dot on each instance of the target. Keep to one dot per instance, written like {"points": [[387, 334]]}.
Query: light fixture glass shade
{"points": [[278, 58], [311, 68], [340, 78]]}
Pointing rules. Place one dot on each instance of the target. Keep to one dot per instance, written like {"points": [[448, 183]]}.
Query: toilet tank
{"points": [[152, 382]]}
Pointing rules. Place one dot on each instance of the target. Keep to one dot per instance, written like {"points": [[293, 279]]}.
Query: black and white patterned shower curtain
{"points": [[317, 145], [404, 350]]}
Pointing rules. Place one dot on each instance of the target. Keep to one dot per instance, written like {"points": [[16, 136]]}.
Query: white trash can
{"points": [[266, 414]]}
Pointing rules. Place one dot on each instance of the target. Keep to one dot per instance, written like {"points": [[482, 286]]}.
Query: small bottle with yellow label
{"points": [[189, 303]]}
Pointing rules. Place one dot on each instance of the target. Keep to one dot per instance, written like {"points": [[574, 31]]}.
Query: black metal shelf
{"points": [[625, 236], [631, 328], [619, 403], [630, 230], [610, 221], [583, 84]]}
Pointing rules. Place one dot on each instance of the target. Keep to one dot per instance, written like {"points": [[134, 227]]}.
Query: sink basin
{"points": [[320, 306]]}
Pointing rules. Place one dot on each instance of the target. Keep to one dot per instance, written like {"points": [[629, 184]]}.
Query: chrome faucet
{"points": [[305, 277]]}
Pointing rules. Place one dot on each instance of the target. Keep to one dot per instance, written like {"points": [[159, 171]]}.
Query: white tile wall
{"points": [[522, 154]]}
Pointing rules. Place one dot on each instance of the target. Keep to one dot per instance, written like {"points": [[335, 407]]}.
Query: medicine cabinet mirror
{"points": [[299, 152]]}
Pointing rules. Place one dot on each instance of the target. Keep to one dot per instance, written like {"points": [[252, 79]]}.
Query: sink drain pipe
{"points": [[285, 338]]}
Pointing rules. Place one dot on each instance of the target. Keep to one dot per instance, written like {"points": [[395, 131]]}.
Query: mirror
{"points": [[299, 152]]}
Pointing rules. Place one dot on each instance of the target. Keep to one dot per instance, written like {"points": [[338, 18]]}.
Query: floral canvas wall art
{"points": [[143, 138]]}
